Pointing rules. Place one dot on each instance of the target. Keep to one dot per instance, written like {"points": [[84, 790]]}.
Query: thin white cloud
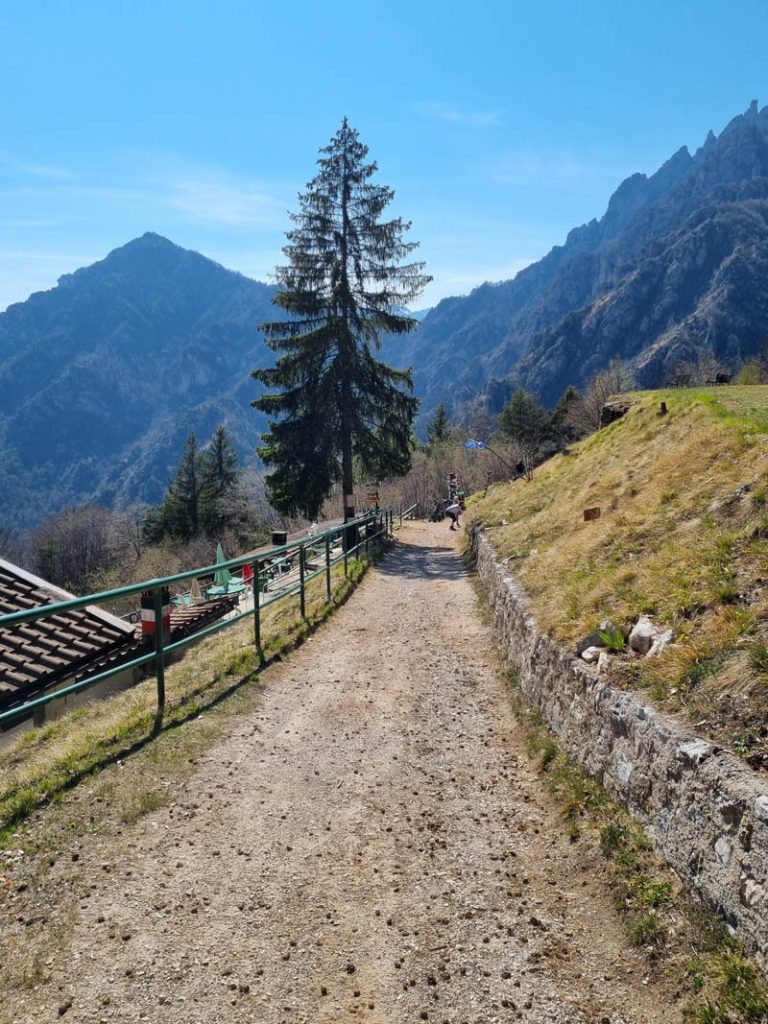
{"points": [[452, 230], [437, 110], [206, 194], [35, 255], [207, 200], [34, 170], [149, 185], [191, 200], [449, 281], [28, 223], [556, 169], [258, 264], [23, 271]]}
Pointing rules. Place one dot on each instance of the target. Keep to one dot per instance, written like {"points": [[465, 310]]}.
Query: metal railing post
{"points": [[302, 597], [157, 595], [257, 610], [328, 588]]}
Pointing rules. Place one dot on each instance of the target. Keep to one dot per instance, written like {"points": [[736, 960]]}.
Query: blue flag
{"points": [[471, 444], [481, 444]]}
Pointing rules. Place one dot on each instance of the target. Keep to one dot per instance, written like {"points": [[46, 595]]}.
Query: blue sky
{"points": [[500, 125]]}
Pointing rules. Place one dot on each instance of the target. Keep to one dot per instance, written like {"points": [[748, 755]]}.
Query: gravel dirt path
{"points": [[371, 845]]}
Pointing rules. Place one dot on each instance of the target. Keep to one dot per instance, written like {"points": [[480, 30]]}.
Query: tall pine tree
{"points": [[199, 496], [439, 427], [180, 513], [219, 472], [343, 287]]}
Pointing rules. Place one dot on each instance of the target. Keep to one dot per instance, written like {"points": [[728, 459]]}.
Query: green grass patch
{"points": [[758, 657], [646, 929], [613, 639], [739, 993], [142, 801]]}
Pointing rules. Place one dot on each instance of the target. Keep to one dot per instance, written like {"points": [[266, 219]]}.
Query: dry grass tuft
{"points": [[682, 536]]}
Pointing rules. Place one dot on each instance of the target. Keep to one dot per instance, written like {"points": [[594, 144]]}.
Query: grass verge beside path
{"points": [[682, 536], [217, 680]]}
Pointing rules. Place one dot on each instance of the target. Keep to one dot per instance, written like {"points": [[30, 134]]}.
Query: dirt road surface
{"points": [[372, 845]]}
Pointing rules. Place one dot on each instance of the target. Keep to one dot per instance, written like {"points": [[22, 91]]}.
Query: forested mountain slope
{"points": [[102, 377]]}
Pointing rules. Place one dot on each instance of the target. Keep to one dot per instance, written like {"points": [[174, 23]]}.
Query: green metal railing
{"points": [[347, 539]]}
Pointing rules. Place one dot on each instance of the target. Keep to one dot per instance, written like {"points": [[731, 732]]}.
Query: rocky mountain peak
{"points": [[150, 254], [676, 261], [710, 140], [751, 116]]}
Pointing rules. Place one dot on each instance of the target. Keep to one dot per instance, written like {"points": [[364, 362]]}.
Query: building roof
{"points": [[37, 655], [75, 644]]}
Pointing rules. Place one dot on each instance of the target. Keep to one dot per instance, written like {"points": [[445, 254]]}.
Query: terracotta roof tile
{"points": [[36, 655]]}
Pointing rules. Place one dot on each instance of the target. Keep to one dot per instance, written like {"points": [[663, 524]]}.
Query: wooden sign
{"points": [[591, 513]]}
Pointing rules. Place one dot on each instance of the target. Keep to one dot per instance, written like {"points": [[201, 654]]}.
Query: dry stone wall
{"points": [[706, 812]]}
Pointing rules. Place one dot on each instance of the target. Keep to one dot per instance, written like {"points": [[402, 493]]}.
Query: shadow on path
{"points": [[423, 561]]}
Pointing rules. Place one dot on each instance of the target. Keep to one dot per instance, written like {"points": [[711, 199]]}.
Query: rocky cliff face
{"points": [[102, 377], [674, 264]]}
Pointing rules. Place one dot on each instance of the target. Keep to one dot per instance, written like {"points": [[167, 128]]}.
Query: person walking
{"points": [[453, 511]]}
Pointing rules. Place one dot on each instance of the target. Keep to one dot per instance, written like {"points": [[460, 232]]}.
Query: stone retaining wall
{"points": [[706, 812]]}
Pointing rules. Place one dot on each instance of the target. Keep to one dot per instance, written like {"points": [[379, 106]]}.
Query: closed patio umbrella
{"points": [[223, 581], [222, 576]]}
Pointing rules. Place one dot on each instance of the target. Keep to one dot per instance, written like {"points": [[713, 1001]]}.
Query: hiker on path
{"points": [[453, 511]]}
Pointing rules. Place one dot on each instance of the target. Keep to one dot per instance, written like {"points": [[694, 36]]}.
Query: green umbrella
{"points": [[222, 577]]}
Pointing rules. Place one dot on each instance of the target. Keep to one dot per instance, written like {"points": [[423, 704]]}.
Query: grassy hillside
{"points": [[682, 537]]}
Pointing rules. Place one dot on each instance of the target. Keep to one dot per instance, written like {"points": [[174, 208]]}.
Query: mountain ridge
{"points": [[102, 377], [513, 328]]}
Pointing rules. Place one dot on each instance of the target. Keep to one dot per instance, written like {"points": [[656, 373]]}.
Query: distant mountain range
{"points": [[678, 261], [103, 377]]}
